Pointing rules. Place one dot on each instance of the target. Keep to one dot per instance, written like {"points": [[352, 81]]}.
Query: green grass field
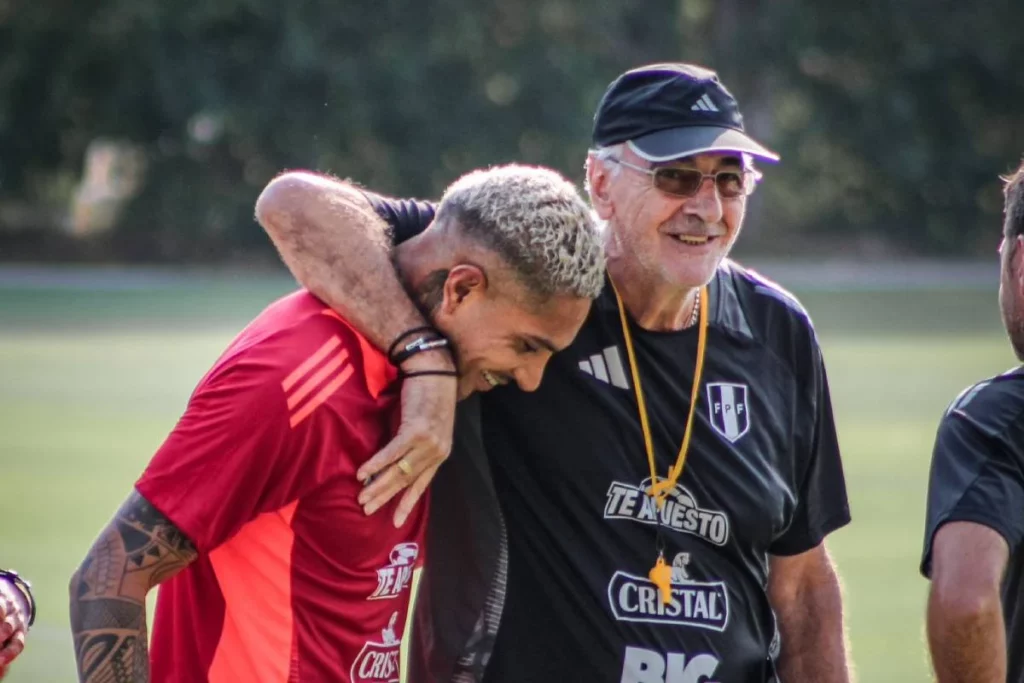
{"points": [[92, 380]]}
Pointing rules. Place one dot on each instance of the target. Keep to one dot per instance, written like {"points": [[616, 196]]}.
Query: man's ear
{"points": [[599, 185], [464, 281], [1016, 262]]}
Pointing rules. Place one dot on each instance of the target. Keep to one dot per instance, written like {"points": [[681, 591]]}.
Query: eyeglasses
{"points": [[686, 182]]}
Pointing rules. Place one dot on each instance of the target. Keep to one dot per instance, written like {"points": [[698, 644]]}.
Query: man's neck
{"points": [[414, 260], [654, 304]]}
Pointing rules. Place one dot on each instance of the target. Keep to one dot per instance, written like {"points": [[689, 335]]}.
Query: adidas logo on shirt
{"points": [[607, 367], [704, 104]]}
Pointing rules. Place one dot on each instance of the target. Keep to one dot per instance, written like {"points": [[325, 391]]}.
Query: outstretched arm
{"points": [[137, 550], [336, 246]]}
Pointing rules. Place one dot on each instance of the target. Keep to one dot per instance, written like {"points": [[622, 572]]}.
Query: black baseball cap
{"points": [[668, 111]]}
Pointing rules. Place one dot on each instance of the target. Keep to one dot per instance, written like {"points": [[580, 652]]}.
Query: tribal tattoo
{"points": [[137, 550]]}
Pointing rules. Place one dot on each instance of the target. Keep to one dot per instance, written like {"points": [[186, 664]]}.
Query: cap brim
{"points": [[674, 143]]}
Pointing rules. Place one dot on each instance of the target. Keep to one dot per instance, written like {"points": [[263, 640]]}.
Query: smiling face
{"points": [[672, 239], [499, 333]]}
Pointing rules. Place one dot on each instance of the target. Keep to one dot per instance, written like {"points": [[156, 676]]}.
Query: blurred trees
{"points": [[893, 119]]}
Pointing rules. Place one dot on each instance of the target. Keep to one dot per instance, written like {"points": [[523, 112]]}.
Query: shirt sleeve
{"points": [[407, 217], [822, 505], [240, 449], [974, 478]]}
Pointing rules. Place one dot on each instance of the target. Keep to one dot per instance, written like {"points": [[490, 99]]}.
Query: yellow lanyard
{"points": [[660, 574]]}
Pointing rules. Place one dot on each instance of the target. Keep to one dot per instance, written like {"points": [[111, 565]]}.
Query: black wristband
{"points": [[418, 345], [23, 587], [421, 373], [412, 330]]}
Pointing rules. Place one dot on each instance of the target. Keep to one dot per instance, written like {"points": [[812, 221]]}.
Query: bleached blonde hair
{"points": [[536, 221]]}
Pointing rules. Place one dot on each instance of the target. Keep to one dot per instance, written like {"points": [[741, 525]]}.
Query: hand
{"points": [[13, 624], [424, 440]]}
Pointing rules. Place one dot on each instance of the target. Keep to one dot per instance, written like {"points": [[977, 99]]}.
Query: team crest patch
{"points": [[730, 409]]}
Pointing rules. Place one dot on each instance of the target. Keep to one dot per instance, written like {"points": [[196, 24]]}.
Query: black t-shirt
{"points": [[763, 475], [977, 475]]}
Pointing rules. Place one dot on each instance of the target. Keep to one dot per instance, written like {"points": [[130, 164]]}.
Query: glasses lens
{"points": [[731, 184], [679, 181]]}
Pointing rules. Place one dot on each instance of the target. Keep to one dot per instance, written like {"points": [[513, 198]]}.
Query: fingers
{"points": [[413, 495], [12, 648], [8, 627], [398, 447], [383, 489]]}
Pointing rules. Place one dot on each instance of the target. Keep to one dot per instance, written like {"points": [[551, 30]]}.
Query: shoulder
{"points": [[296, 341], [994, 406], [405, 217], [753, 305]]}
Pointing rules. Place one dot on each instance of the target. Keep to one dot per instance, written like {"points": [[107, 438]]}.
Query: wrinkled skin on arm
{"points": [[337, 247]]}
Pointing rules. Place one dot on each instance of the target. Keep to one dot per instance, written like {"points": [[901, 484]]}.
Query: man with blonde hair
{"points": [[247, 515]]}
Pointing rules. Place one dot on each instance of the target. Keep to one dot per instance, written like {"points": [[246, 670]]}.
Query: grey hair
{"points": [[536, 221], [603, 154]]}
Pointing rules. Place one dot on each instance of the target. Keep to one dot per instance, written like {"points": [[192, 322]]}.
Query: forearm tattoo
{"points": [[135, 552]]}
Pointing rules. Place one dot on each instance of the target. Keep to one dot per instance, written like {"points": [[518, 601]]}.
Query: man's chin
{"points": [[1018, 349]]}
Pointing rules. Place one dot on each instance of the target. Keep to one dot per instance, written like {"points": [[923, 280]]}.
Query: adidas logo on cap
{"points": [[704, 104]]}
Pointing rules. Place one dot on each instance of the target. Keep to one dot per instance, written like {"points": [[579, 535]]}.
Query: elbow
{"points": [[281, 198], [963, 603]]}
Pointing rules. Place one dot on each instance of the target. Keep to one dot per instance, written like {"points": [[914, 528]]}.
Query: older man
{"points": [[975, 522], [656, 511]]}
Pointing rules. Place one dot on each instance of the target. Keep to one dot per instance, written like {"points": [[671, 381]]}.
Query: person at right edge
{"points": [[657, 511], [975, 520]]}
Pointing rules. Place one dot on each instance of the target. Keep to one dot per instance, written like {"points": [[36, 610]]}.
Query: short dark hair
{"points": [[1013, 191]]}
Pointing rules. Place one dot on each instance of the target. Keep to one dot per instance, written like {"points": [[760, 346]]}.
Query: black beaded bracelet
{"points": [[23, 587]]}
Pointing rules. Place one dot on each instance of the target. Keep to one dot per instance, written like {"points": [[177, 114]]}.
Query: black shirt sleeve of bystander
{"points": [[976, 472], [407, 217]]}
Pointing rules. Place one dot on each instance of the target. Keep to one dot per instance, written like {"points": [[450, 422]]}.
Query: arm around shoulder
{"points": [[335, 244]]}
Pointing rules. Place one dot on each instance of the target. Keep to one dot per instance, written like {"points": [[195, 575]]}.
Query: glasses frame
{"points": [[750, 179]]}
